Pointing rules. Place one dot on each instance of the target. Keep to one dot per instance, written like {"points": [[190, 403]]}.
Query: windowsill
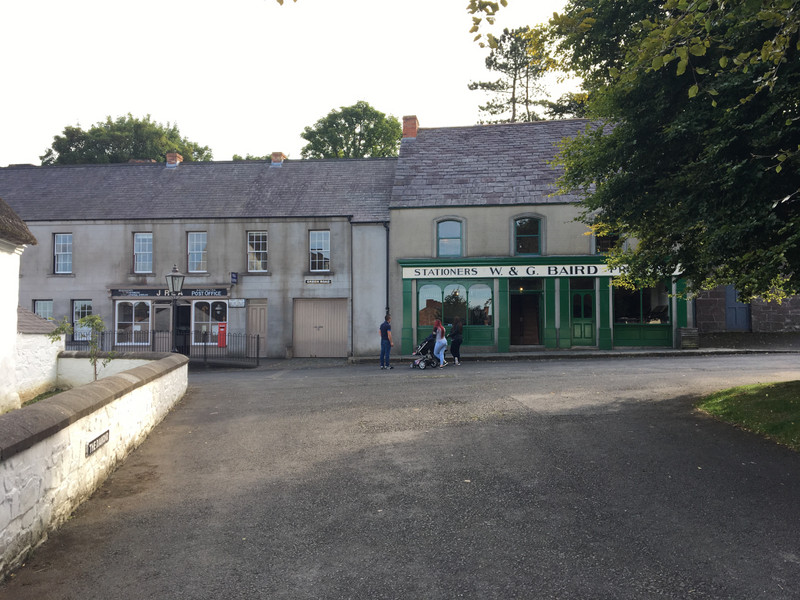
{"points": [[199, 274], [257, 273], [318, 274], [61, 275], [135, 274]]}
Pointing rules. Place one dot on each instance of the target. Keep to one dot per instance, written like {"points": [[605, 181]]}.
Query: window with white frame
{"points": [[43, 308], [198, 254], [80, 309], [256, 251], [206, 319], [143, 252], [319, 250], [62, 253], [133, 322], [448, 238]]}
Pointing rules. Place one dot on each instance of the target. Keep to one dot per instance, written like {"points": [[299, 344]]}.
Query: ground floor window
{"points": [[207, 317], [43, 308], [133, 322], [80, 309], [647, 306], [471, 302]]}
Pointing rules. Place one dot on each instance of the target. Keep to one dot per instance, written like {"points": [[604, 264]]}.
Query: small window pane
{"points": [[143, 252], [527, 236], [319, 250], [43, 308], [480, 304], [430, 305], [449, 238], [197, 251], [455, 304], [256, 250], [62, 253]]}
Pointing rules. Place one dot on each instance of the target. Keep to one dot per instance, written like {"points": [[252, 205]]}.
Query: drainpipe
{"points": [[386, 227]]}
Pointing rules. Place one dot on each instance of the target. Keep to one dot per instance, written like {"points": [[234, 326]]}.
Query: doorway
{"points": [[582, 306], [524, 320]]}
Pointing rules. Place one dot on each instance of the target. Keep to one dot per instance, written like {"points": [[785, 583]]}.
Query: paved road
{"points": [[529, 479]]}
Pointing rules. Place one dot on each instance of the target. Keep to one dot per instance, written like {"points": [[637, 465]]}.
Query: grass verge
{"points": [[770, 409], [44, 395]]}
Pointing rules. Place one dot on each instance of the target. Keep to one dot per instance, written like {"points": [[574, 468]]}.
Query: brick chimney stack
{"points": [[410, 126], [278, 158], [173, 159]]}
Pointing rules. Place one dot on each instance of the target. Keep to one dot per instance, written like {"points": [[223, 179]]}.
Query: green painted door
{"points": [[583, 325]]}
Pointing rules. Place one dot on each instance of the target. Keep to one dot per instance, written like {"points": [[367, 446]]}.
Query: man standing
{"points": [[386, 341]]}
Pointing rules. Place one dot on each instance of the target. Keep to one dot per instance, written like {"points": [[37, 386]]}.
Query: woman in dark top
{"points": [[456, 335]]}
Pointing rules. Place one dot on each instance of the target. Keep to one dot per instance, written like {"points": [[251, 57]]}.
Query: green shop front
{"points": [[549, 303]]}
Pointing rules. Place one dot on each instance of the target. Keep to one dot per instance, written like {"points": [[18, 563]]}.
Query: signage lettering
{"points": [[510, 271], [162, 292], [97, 443]]}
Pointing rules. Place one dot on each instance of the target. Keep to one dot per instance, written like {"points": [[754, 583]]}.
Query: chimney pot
{"points": [[410, 126], [278, 158]]}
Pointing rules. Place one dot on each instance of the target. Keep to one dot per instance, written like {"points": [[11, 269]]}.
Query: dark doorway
{"points": [[524, 319], [183, 328], [737, 314]]}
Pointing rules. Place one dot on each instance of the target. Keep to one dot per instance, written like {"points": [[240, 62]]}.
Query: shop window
{"points": [[479, 297], [455, 304], [43, 308], [142, 252], [197, 244], [256, 251], [448, 238], [527, 235], [648, 306], [133, 322], [319, 250], [62, 253], [206, 319], [430, 305]]}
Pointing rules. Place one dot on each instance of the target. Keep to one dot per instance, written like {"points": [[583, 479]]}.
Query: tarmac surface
{"points": [[503, 479]]}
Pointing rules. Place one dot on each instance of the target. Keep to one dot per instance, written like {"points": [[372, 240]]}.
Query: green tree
{"points": [[95, 325], [356, 131], [695, 151], [520, 59], [239, 157], [120, 140]]}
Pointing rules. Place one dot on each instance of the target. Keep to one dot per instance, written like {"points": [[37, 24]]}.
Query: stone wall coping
{"points": [[22, 428]]}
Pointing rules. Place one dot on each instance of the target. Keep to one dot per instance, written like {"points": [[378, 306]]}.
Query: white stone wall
{"points": [[43, 484], [9, 275], [73, 372], [36, 367]]}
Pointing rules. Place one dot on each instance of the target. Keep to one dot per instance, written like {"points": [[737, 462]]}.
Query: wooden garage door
{"points": [[320, 327]]}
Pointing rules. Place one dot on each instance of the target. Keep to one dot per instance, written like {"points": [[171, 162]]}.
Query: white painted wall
{"points": [[9, 275], [43, 484], [36, 368], [74, 372]]}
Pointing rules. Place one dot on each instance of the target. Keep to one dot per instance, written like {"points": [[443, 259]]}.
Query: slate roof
{"points": [[481, 165], [12, 228], [28, 322], [358, 188]]}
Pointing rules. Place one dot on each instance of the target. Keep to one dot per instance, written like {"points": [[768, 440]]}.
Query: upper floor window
{"points": [[256, 250], [319, 250], [142, 252], [62, 253], [448, 238], [43, 308], [528, 236], [605, 243], [198, 254]]}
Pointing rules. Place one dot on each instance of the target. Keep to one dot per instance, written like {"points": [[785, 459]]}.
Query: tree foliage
{"points": [[120, 140], [695, 154], [95, 325], [357, 131], [520, 58]]}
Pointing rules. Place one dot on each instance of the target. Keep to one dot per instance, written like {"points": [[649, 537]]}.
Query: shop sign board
{"points": [[504, 271]]}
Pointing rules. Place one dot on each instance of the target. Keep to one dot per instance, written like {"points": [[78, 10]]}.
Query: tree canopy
{"points": [[357, 131], [120, 140], [521, 62], [695, 149]]}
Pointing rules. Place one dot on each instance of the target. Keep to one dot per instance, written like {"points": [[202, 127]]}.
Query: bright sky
{"points": [[240, 76]]}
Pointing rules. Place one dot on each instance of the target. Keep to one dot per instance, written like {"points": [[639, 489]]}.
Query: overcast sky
{"points": [[240, 76]]}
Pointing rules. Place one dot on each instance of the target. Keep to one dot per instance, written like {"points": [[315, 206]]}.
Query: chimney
{"points": [[410, 126], [277, 159], [173, 159]]}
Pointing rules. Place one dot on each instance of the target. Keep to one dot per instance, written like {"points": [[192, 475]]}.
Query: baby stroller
{"points": [[425, 353]]}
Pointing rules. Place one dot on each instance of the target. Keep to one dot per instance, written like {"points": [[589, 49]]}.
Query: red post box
{"points": [[222, 335]]}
